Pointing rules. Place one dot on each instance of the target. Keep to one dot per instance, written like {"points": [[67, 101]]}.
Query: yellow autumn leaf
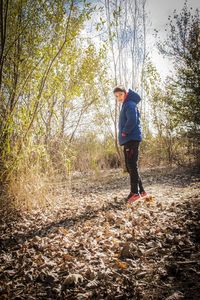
{"points": [[122, 265], [116, 254]]}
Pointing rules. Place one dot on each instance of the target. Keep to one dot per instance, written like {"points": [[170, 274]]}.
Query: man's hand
{"points": [[123, 134]]}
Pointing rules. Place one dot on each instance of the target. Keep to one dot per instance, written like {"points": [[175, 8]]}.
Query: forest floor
{"points": [[96, 246]]}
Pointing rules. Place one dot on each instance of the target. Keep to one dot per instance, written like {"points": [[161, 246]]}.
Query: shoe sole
{"points": [[145, 197], [131, 201]]}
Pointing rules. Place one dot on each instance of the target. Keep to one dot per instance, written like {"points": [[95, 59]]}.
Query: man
{"points": [[130, 136]]}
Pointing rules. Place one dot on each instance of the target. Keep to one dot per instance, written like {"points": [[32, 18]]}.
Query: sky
{"points": [[158, 12]]}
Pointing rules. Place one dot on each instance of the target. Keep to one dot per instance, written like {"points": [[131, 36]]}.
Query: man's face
{"points": [[120, 96]]}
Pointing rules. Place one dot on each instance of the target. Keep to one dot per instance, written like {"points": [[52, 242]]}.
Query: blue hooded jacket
{"points": [[129, 119]]}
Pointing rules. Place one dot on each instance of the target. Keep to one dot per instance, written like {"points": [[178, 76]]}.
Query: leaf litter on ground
{"points": [[96, 246]]}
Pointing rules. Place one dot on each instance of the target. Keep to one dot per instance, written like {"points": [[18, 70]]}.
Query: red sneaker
{"points": [[134, 197], [144, 195]]}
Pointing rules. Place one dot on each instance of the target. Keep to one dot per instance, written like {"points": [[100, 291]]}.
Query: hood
{"points": [[133, 96]]}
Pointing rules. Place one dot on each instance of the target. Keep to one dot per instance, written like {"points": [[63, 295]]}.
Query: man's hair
{"points": [[119, 88]]}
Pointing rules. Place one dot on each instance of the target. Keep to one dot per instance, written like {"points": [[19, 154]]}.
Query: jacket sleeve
{"points": [[131, 114]]}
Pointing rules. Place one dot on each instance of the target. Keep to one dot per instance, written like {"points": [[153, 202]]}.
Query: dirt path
{"points": [[98, 247]]}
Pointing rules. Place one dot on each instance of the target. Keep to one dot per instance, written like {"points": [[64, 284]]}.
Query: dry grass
{"points": [[33, 189]]}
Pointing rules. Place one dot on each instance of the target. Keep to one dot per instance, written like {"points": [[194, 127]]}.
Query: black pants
{"points": [[131, 151]]}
